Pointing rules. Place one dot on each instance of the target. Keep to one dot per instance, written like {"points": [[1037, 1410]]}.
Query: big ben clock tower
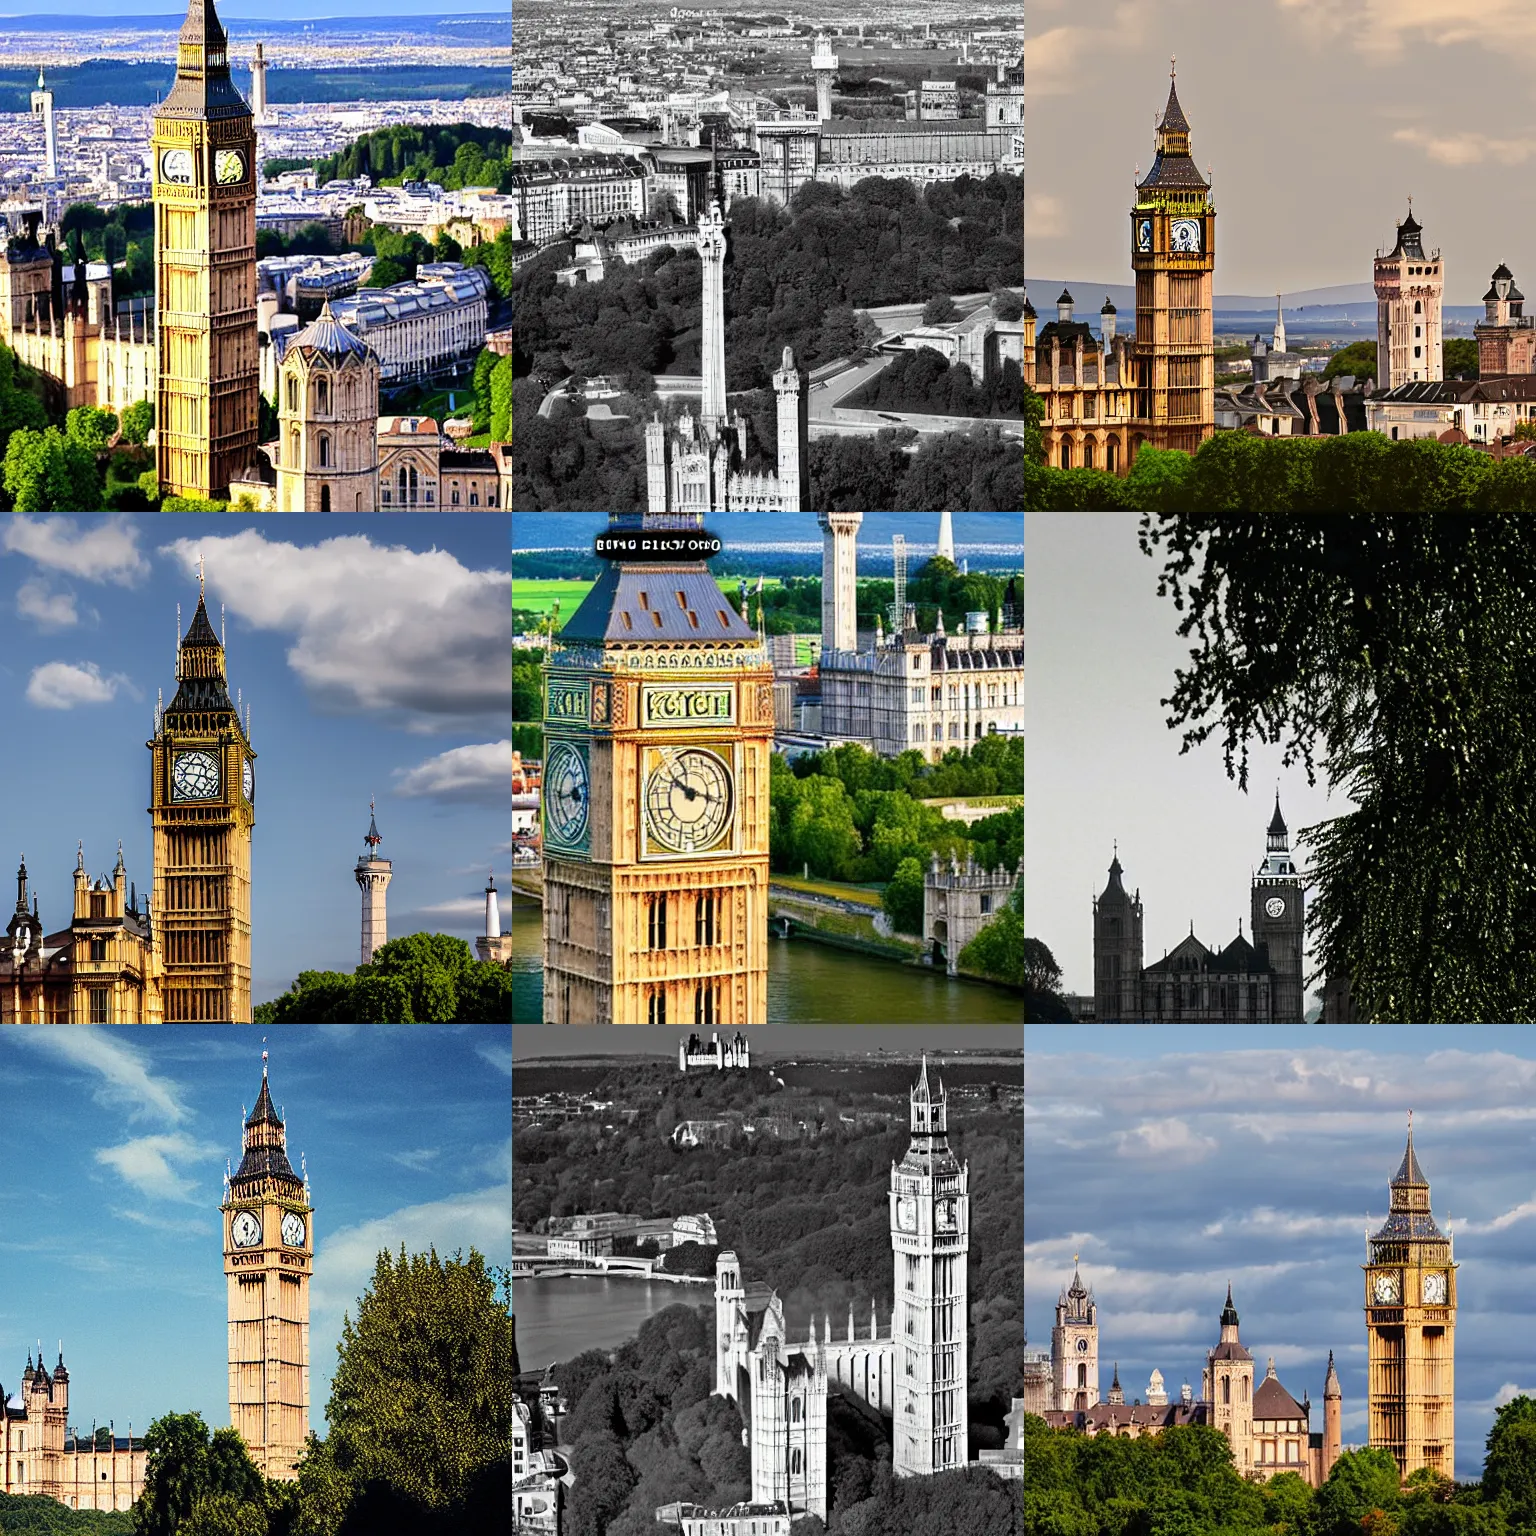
{"points": [[1279, 919], [931, 1237], [658, 729], [269, 1245], [204, 152], [1173, 252], [202, 810], [1410, 1326]]}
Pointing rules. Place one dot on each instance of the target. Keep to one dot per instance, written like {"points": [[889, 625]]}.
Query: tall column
{"points": [[712, 254], [259, 87], [839, 575], [946, 537], [786, 385], [824, 63]]}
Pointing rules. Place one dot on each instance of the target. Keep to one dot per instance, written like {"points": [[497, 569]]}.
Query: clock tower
{"points": [[1410, 1327], [203, 147], [1075, 1348], [658, 729], [1173, 252], [269, 1245], [930, 1236], [1279, 920], [202, 809]]}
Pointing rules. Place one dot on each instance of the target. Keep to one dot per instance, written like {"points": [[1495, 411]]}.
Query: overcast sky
{"points": [[1103, 765], [1318, 120], [1176, 1159]]}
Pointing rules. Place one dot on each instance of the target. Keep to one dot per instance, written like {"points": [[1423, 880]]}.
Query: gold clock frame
{"points": [[652, 851]]}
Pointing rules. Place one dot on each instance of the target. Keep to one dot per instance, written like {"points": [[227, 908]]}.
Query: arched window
{"points": [[293, 449], [1226, 1389], [1066, 455], [323, 445], [359, 501], [1082, 1375], [325, 498], [1418, 308], [322, 397], [1111, 455], [794, 1410], [1088, 455], [794, 1463], [293, 394]]}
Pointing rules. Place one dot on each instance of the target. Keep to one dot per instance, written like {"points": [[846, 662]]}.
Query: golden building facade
{"points": [[658, 736], [1410, 1325], [204, 150], [269, 1245]]}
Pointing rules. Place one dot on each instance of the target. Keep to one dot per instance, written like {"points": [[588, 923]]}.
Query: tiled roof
{"points": [[656, 602]]}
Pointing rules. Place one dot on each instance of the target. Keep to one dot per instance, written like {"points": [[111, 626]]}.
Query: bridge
{"points": [[540, 1264]]}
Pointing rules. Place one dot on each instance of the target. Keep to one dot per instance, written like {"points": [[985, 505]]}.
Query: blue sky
{"points": [[375, 658], [112, 1234], [1175, 1159]]}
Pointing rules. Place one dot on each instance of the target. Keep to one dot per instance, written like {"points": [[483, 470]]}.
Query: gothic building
{"points": [[1257, 981], [914, 1371], [1409, 285], [1506, 335]]}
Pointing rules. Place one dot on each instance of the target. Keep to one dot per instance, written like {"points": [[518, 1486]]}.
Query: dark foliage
{"points": [[924, 381]]}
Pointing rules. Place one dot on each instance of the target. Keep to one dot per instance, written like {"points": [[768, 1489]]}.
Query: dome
{"points": [[326, 334]]}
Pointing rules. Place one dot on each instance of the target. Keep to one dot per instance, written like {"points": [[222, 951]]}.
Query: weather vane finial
{"points": [[1173, 66], [199, 576]]}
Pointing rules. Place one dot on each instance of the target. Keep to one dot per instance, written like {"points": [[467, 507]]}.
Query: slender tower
{"points": [[1279, 338], [269, 1246], [786, 386], [373, 877], [839, 579], [824, 63], [930, 1233], [259, 87], [711, 241], [42, 106], [1410, 284], [1279, 919], [493, 944], [946, 538], [1333, 1403]]}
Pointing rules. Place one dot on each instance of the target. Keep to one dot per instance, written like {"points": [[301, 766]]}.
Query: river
{"points": [[557, 1319], [809, 983]]}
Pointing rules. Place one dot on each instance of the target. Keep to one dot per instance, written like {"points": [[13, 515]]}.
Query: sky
{"points": [[113, 1237], [1175, 1159], [1317, 119], [1103, 765], [375, 663], [284, 10], [540, 1042]]}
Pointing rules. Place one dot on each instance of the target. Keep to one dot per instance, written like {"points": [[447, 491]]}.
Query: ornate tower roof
{"points": [[266, 1155], [1410, 241], [1277, 821], [929, 1154], [203, 88], [372, 838], [1409, 1216], [1229, 1312], [1331, 1382], [1173, 169], [325, 336]]}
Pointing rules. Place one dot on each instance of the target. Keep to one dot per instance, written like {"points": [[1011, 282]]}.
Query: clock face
{"points": [[1435, 1288], [946, 1215], [229, 167], [565, 794], [248, 780], [293, 1230], [906, 1213], [1144, 234], [176, 165], [1275, 906], [245, 1230], [689, 800], [194, 776], [1184, 236], [1387, 1289]]}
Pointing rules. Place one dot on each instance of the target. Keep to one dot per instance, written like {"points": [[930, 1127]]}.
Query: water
{"points": [[810, 984], [557, 1319]]}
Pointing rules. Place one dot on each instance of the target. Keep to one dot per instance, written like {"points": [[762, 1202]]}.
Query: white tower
{"points": [[839, 579], [786, 386], [1410, 284], [492, 911], [930, 1233], [42, 106], [824, 63], [373, 877], [946, 537], [655, 465], [259, 87], [711, 241], [1279, 344], [1005, 97]]}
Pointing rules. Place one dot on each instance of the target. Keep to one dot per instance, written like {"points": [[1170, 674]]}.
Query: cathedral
{"points": [[1257, 982], [1105, 398], [183, 954], [912, 1371]]}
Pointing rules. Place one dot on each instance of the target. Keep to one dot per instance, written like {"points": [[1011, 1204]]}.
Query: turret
{"points": [[1333, 1403], [61, 1383]]}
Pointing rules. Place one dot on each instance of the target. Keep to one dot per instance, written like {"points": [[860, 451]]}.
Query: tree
{"points": [[997, 950], [1509, 1467], [1041, 972], [184, 1469], [501, 401], [1360, 1484], [1007, 305], [940, 309], [385, 273], [1458, 356], [421, 1401], [137, 421], [49, 472], [92, 427], [1358, 358], [903, 897]]}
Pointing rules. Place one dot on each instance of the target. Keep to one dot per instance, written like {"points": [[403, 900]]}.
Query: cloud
{"points": [[417, 638], [480, 774], [1045, 217], [64, 684], [48, 609], [1171, 1139], [104, 551], [1386, 27], [145, 1163], [459, 907], [1466, 148], [125, 1079], [417, 1160], [498, 1055]]}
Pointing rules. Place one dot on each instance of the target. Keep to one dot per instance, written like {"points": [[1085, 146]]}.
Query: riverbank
{"points": [[612, 1274]]}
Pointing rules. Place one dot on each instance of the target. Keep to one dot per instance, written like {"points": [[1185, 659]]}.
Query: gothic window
{"points": [[325, 498], [794, 1463], [657, 1006], [323, 445], [98, 1005], [322, 397], [359, 501], [98, 949], [293, 449], [794, 1410], [705, 1003], [293, 395], [1082, 1375], [1226, 1389], [1245, 1389], [1418, 308], [657, 923]]}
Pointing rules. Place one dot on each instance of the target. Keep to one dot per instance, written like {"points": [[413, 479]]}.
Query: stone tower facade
{"points": [[792, 433], [1005, 96], [1279, 920], [839, 579], [1333, 1433], [269, 1246], [42, 106], [824, 64], [711, 243], [202, 810], [259, 86], [328, 408], [1117, 951], [1075, 1348], [204, 149], [930, 1237], [658, 730], [1173, 252], [1409, 286], [958, 902], [1410, 1324], [373, 875], [1228, 1388]]}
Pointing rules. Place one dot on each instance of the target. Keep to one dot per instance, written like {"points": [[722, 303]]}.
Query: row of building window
{"points": [[706, 1004], [708, 928], [937, 696]]}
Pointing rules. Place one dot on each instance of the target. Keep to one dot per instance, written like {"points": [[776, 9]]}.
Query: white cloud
{"points": [[124, 1077], [1466, 148], [105, 551], [499, 1055], [480, 774], [145, 1163], [1385, 27], [416, 637], [1045, 217], [65, 684], [1172, 1139], [417, 1159], [48, 609], [459, 907]]}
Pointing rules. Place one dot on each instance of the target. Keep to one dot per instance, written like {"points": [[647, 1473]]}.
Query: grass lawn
{"points": [[856, 893]]}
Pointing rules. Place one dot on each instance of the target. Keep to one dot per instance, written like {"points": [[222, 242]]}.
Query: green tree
{"points": [[386, 272], [430, 965], [1458, 355], [222, 1514], [182, 1466], [91, 427], [49, 472], [1358, 358], [137, 421], [903, 897], [997, 950], [501, 400], [1509, 1466], [485, 363], [1360, 1484]]}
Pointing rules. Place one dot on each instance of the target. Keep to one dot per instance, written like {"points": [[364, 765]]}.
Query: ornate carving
{"points": [[620, 704], [600, 696], [765, 701]]}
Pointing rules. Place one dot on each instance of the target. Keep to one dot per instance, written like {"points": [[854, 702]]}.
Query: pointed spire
{"points": [[372, 837], [1331, 1381], [1408, 1171], [1229, 1312]]}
